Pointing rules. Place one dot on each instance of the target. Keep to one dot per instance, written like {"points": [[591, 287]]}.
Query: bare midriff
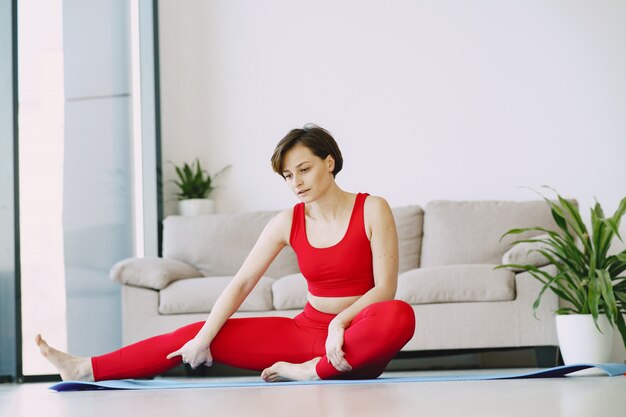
{"points": [[331, 305]]}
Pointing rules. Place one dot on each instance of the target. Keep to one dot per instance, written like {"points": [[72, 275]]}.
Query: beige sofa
{"points": [[448, 252]]}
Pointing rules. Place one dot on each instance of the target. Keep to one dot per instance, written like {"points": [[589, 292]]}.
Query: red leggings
{"points": [[374, 337]]}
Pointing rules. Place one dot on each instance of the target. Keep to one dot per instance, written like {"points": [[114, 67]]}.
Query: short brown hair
{"points": [[317, 139]]}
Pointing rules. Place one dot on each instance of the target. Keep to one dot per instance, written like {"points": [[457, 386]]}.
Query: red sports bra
{"points": [[341, 270]]}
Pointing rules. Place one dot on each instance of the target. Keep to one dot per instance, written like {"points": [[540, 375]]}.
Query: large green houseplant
{"points": [[195, 186], [590, 279]]}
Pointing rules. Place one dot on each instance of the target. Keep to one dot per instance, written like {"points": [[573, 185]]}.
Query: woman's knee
{"points": [[401, 318]]}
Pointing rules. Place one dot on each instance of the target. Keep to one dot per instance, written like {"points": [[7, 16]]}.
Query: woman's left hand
{"points": [[194, 353], [334, 347]]}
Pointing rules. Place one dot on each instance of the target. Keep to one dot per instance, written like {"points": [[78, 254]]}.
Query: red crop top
{"points": [[341, 270]]}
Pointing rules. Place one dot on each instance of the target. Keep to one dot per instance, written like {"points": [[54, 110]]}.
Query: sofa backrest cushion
{"points": [[468, 232], [409, 222], [217, 244]]}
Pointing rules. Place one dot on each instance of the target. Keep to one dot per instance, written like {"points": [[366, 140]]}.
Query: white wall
{"points": [[428, 100]]}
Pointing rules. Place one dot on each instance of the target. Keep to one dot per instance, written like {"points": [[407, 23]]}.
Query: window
{"points": [[41, 154]]}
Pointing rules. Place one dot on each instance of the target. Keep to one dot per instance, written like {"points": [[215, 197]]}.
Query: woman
{"points": [[347, 248]]}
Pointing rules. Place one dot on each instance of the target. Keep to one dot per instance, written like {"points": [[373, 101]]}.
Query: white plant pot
{"points": [[581, 342], [195, 207]]}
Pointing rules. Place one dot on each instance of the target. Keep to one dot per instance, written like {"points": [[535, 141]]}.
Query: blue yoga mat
{"points": [[611, 369]]}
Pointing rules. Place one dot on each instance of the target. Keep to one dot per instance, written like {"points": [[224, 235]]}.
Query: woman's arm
{"points": [[381, 227], [384, 242], [273, 239]]}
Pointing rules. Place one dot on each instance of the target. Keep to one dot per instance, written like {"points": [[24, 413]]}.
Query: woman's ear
{"points": [[330, 161]]}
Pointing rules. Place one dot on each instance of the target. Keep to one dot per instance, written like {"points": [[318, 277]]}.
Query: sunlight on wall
{"points": [[41, 129]]}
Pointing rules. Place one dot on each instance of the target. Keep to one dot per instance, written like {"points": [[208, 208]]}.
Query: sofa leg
{"points": [[548, 356]]}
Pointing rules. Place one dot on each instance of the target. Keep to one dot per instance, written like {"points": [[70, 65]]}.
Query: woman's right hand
{"points": [[194, 353]]}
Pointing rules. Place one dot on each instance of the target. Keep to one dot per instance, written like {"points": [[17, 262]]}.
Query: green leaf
{"points": [[565, 290], [618, 265], [573, 213], [608, 296], [570, 213], [513, 232], [559, 219], [612, 225], [617, 216], [593, 299]]}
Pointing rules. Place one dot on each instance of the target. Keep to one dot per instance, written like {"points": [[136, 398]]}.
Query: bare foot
{"points": [[285, 371], [71, 368]]}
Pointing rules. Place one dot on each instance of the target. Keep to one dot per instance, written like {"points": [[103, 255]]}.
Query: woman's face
{"points": [[307, 175]]}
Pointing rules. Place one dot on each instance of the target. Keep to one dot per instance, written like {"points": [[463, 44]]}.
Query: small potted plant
{"points": [[590, 282], [195, 186]]}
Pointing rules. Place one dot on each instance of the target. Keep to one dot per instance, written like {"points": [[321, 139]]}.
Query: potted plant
{"points": [[589, 280], [195, 186]]}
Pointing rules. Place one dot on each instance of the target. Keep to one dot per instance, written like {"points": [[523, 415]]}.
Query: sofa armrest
{"points": [[536, 328], [154, 273], [528, 288]]}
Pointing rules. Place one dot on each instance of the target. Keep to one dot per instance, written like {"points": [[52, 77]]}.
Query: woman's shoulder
{"points": [[279, 226], [376, 204], [284, 216], [377, 215]]}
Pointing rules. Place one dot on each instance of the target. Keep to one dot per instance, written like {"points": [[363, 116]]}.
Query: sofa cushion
{"points": [[289, 292], [525, 253], [151, 272], [218, 244], [409, 222], [456, 283], [198, 295], [469, 232]]}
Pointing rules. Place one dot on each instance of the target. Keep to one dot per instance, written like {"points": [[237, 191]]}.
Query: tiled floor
{"points": [[572, 396]]}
